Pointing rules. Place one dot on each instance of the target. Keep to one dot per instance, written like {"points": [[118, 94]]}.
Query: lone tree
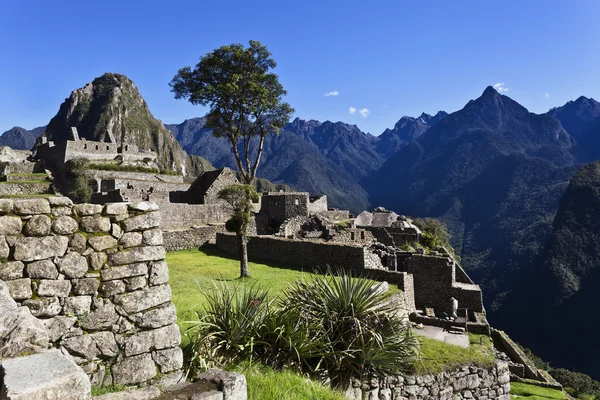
{"points": [[246, 102], [245, 98], [240, 198]]}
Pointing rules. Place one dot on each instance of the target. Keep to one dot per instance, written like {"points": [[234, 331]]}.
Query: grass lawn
{"points": [[439, 356], [193, 272], [533, 392]]}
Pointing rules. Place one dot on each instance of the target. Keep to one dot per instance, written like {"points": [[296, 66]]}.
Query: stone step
{"points": [[456, 329]]}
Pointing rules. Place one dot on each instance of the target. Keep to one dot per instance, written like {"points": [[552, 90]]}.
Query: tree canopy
{"points": [[244, 96]]}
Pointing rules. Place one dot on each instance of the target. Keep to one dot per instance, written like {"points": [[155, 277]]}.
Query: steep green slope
{"points": [[110, 108]]}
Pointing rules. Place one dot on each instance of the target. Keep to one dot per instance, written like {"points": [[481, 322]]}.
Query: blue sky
{"points": [[384, 58]]}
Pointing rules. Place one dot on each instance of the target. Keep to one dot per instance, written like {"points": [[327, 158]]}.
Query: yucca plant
{"points": [[360, 332]]}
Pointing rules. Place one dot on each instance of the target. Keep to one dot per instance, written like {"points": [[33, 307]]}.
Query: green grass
{"points": [[193, 272], [533, 392], [98, 390], [20, 182], [266, 384], [38, 174], [439, 356]]}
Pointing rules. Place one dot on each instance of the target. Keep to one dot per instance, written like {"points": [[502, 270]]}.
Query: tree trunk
{"points": [[243, 256]]}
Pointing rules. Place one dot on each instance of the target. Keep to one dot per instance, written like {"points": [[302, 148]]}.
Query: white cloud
{"points": [[546, 95], [364, 112], [334, 93], [352, 110], [500, 87], [385, 106]]}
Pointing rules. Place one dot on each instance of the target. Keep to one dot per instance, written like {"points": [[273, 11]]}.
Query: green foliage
{"points": [[577, 384], [77, 181], [98, 390], [438, 356], [533, 392], [240, 198], [339, 325], [245, 98]]}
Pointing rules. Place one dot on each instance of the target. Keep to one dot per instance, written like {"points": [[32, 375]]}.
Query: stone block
{"points": [[140, 300], [87, 209], [10, 225], [115, 209], [142, 222], [168, 360], [125, 271], [20, 332], [60, 211], [85, 286], [54, 288], [473, 381], [156, 339], [138, 254], [60, 201], [97, 260], [34, 249], [116, 231], [135, 283], [20, 289], [153, 237], [111, 288], [159, 273], [131, 239], [6, 206], [4, 249], [11, 270], [31, 206], [102, 318], [77, 305], [64, 225], [95, 223], [147, 393], [58, 326], [44, 307], [156, 318], [44, 269], [78, 243], [133, 370], [38, 225], [143, 206], [73, 265], [49, 375], [92, 346], [232, 383], [100, 243]]}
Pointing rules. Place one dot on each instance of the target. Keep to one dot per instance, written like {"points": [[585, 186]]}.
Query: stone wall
{"points": [[192, 238], [24, 188], [138, 176], [336, 215], [96, 276], [466, 383], [354, 236], [317, 204], [181, 215]]}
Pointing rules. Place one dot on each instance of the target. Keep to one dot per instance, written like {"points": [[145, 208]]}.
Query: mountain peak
{"points": [[490, 92]]}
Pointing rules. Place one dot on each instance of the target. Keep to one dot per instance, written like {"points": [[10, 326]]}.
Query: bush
{"points": [[79, 190], [337, 326]]}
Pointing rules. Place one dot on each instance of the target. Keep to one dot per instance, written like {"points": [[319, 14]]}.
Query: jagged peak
{"points": [[490, 92]]}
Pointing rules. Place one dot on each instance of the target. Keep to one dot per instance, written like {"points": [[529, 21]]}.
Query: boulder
{"points": [[159, 273], [87, 209], [10, 225], [156, 339], [51, 288], [49, 375], [232, 383], [20, 332], [140, 300], [33, 248], [142, 222], [101, 243], [125, 271], [93, 345], [95, 223], [133, 370], [38, 225], [131, 239], [44, 269], [65, 225], [73, 265], [138, 254], [31, 206], [11, 270]]}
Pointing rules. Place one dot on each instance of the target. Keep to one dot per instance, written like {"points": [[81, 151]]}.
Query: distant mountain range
{"points": [[21, 139]]}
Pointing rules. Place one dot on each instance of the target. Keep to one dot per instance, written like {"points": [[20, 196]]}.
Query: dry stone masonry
{"points": [[96, 278]]}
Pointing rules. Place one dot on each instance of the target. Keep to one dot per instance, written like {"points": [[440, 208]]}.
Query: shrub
{"points": [[77, 181]]}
